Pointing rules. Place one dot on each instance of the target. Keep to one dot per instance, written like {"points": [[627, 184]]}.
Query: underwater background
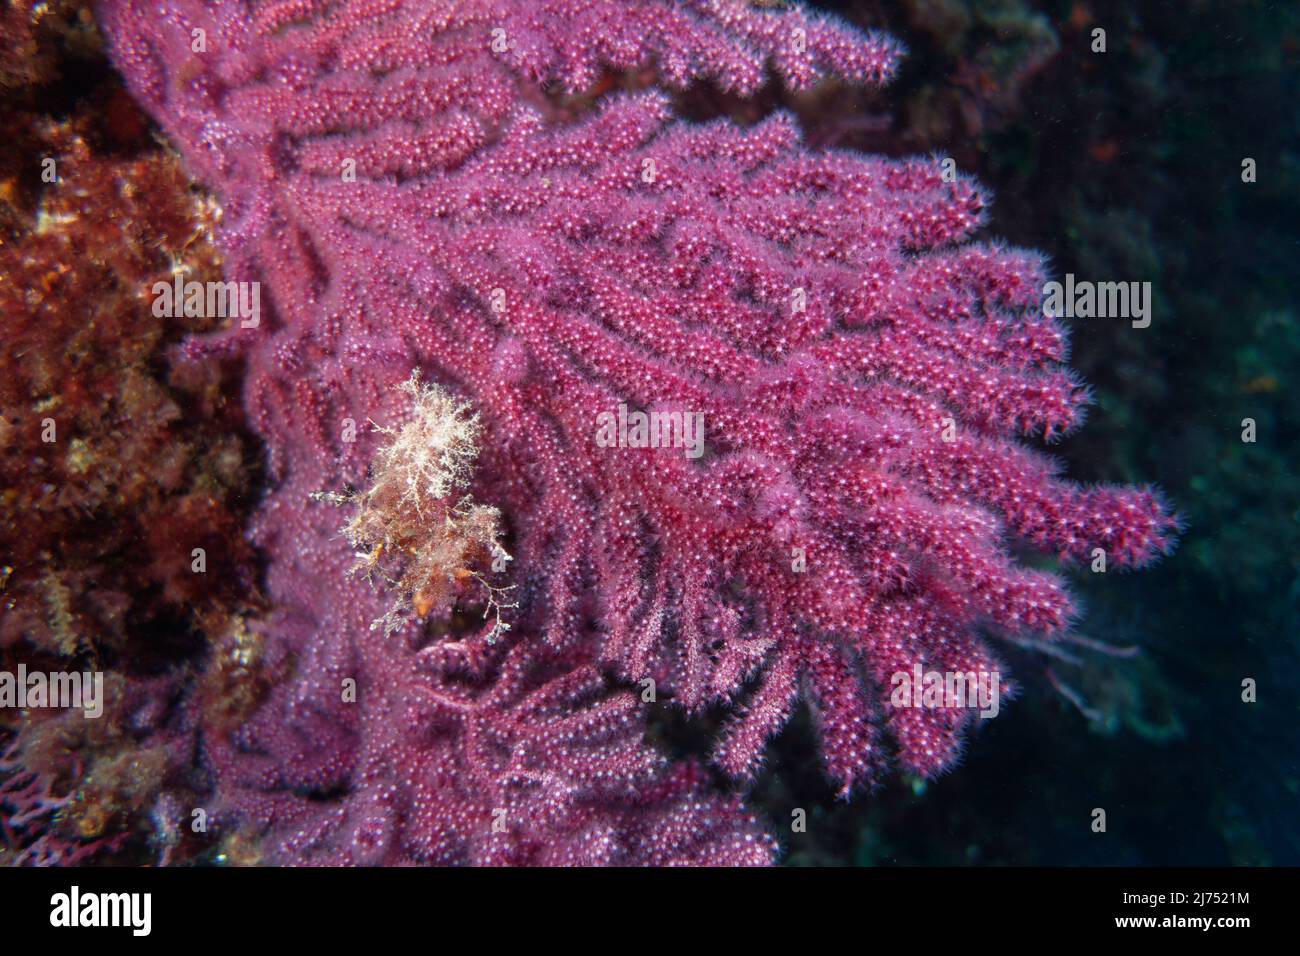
{"points": [[1121, 166]]}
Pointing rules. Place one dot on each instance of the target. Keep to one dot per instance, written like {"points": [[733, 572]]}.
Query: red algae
{"points": [[114, 469]]}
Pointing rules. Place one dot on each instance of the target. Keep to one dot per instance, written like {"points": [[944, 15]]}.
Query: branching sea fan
{"points": [[400, 179]]}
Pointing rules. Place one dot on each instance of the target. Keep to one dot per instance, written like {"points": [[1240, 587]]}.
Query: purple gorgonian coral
{"points": [[402, 181]]}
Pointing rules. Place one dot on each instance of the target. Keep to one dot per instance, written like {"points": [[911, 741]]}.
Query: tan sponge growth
{"points": [[414, 525]]}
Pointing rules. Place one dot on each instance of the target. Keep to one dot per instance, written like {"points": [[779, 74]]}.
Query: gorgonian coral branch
{"points": [[863, 367]]}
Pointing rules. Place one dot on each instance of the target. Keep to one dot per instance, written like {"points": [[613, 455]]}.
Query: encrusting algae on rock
{"points": [[116, 465]]}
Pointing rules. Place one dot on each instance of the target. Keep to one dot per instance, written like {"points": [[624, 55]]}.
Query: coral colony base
{"points": [[413, 189]]}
